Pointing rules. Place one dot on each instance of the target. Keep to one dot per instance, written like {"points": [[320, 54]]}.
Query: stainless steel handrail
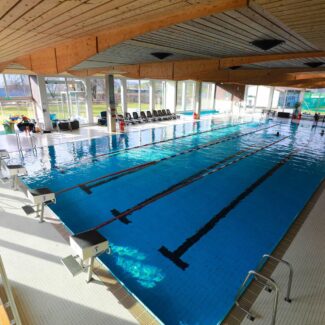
{"points": [[270, 282], [9, 294], [19, 146], [266, 257]]}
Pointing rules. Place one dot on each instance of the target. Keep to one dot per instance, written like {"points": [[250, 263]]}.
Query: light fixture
{"points": [[267, 44], [235, 67], [161, 55], [314, 64]]}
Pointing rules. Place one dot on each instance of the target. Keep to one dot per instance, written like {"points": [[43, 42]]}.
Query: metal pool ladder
{"points": [[19, 145], [269, 285]]}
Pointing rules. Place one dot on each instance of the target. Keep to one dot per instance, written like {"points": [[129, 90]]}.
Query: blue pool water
{"points": [[203, 112], [218, 262]]}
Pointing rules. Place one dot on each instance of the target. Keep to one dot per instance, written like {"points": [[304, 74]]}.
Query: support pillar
{"points": [[197, 99], [42, 113], [171, 95], [89, 101], [123, 96], [110, 102]]}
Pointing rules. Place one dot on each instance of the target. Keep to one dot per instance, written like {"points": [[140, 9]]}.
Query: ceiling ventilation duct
{"points": [[267, 44], [314, 64], [161, 55]]}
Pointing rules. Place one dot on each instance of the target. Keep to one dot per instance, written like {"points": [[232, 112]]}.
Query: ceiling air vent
{"points": [[161, 55], [267, 44], [235, 67], [314, 64]]}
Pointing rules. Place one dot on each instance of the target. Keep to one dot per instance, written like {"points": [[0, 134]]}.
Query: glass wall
{"points": [[314, 101], [263, 97], [189, 96], [251, 96], [15, 97], [159, 94], [132, 95], [144, 95], [179, 96], [207, 96]]}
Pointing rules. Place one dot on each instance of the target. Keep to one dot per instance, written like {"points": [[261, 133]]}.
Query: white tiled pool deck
{"points": [[45, 291]]}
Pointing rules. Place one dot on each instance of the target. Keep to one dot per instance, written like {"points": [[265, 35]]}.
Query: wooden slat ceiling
{"points": [[26, 25], [221, 35], [131, 51], [304, 17]]}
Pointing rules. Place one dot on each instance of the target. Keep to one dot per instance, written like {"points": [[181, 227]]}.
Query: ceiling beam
{"points": [[242, 60]]}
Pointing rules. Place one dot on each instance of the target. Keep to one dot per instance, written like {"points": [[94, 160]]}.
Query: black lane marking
{"points": [[175, 187], [113, 176], [130, 170], [117, 152], [175, 256]]}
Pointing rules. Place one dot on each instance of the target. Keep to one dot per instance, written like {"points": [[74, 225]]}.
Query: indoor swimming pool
{"points": [[188, 209]]}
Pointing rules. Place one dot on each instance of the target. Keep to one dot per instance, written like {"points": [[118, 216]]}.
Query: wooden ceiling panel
{"points": [[218, 35], [304, 17]]}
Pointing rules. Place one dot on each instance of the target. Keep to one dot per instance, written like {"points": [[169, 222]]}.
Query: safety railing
{"points": [[269, 283], [290, 278], [30, 140], [11, 301]]}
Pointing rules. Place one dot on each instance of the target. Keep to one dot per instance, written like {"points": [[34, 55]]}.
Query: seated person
{"points": [[25, 124]]}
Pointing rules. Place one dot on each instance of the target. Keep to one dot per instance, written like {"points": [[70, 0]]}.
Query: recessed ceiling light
{"points": [[314, 64], [235, 67], [267, 44], [161, 55]]}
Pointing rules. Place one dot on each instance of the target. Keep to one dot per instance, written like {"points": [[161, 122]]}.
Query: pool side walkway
{"points": [[45, 292]]}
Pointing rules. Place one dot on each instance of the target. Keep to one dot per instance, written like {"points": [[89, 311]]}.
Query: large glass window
{"points": [[77, 99], [15, 109], [314, 101], [263, 96], [2, 87], [251, 96], [190, 96], [57, 98], [179, 96], [144, 95], [15, 97], [159, 94], [292, 98], [97, 86], [207, 94], [275, 100], [132, 95], [17, 85]]}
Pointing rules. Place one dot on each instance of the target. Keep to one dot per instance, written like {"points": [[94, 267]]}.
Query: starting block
{"points": [[87, 246], [14, 171], [40, 197]]}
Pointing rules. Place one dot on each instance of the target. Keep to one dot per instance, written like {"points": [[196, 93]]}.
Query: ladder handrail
{"points": [[9, 294], [268, 256], [19, 146], [270, 282]]}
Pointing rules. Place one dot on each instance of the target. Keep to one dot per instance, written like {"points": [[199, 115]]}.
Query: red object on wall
{"points": [[122, 125]]}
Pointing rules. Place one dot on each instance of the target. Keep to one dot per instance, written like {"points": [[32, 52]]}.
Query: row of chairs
{"points": [[157, 115]]}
